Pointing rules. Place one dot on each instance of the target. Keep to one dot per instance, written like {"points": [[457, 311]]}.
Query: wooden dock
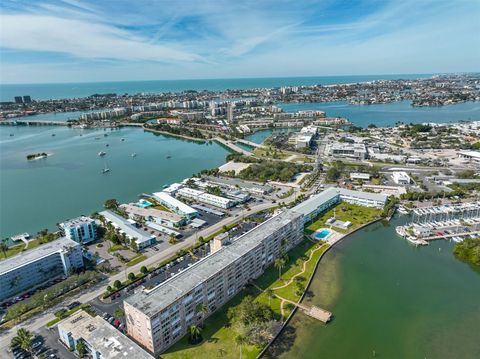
{"points": [[317, 313]]}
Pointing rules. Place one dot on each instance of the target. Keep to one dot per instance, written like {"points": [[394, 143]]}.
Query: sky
{"points": [[114, 40]]}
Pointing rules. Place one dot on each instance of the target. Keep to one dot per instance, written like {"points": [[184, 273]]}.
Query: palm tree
{"points": [[240, 340], [4, 247], [81, 348], [279, 264], [23, 339], [195, 333], [203, 309], [270, 294]]}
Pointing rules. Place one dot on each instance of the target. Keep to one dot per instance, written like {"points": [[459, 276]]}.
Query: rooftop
{"points": [[151, 212], [163, 196], [126, 227], [77, 221], [35, 254], [153, 301], [102, 336]]}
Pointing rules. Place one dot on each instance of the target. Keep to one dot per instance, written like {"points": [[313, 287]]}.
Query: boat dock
{"points": [[317, 313]]}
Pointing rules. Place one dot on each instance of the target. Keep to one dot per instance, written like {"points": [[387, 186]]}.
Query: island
{"points": [[36, 156]]}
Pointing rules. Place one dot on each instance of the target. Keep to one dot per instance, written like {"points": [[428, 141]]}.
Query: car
{"points": [[111, 320], [105, 315], [51, 356], [36, 345]]}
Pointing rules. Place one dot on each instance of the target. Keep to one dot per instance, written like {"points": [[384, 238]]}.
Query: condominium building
{"points": [[142, 239], [205, 197], [159, 317], [401, 177], [175, 205], [155, 215], [81, 230], [324, 200], [39, 265], [351, 150], [102, 340]]}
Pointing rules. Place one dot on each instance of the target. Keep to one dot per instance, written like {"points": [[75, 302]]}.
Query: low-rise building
{"points": [[175, 205], [471, 156], [155, 215], [400, 177], [102, 340], [350, 150], [159, 317], [360, 176], [81, 230], [141, 238], [324, 200], [205, 197], [39, 265]]}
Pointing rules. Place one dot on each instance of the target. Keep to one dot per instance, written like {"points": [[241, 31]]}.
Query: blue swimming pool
{"points": [[324, 233], [143, 203]]}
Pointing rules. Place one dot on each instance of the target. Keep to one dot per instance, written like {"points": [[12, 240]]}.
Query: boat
{"points": [[122, 139], [134, 154], [107, 145], [97, 138], [168, 156], [53, 134], [105, 134], [403, 210], [105, 170], [101, 153], [11, 135]]}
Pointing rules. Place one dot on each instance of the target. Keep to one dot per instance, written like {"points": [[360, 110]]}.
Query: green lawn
{"points": [[358, 215], [137, 259], [19, 248], [116, 247], [219, 339]]}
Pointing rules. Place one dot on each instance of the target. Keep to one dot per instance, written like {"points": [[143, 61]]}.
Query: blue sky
{"points": [[80, 40]]}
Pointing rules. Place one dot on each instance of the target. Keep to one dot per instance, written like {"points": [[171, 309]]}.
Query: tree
{"points": [[239, 341], [81, 348], [144, 270], [203, 310], [109, 289], [195, 333], [118, 312], [23, 339], [111, 204], [117, 284], [131, 276], [279, 264], [4, 247], [270, 294]]}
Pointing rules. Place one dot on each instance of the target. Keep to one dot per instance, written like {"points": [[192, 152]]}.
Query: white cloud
{"points": [[83, 39]]}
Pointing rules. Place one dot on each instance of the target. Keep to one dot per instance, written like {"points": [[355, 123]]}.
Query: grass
{"points": [[161, 207], [20, 248], [116, 247], [357, 215], [280, 154], [219, 338], [137, 259], [67, 314]]}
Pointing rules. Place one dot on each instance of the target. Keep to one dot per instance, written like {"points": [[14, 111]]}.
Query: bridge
{"points": [[249, 143], [232, 146], [35, 123]]}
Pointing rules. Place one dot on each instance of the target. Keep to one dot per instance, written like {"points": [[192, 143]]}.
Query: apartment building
{"points": [[175, 205], [159, 317], [81, 230], [39, 265], [206, 198], [324, 200], [101, 339]]}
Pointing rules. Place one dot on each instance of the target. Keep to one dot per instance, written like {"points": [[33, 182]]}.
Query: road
{"points": [[34, 324]]}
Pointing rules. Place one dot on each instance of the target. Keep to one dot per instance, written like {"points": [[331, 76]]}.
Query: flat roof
{"points": [[103, 337], [32, 255], [126, 227], [174, 202], [77, 221], [311, 204], [151, 212], [153, 301], [470, 153]]}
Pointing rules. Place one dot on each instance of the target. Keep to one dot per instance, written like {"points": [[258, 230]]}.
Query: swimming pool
{"points": [[143, 203], [322, 234]]}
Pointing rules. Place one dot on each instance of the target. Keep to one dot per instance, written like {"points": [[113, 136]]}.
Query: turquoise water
{"points": [[388, 114], [53, 116], [322, 234], [389, 300], [37, 194], [71, 90]]}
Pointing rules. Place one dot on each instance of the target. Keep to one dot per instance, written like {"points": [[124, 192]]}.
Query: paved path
{"points": [[233, 146]]}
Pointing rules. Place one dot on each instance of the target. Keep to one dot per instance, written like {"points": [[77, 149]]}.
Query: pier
{"points": [[313, 311]]}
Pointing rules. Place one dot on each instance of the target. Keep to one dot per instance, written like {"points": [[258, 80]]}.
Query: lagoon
{"points": [[389, 300]]}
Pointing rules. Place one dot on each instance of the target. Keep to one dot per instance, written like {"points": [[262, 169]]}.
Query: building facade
{"points": [[175, 205], [159, 317], [81, 230], [39, 265]]}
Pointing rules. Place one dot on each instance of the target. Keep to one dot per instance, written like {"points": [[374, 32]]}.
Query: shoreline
{"points": [[290, 317], [165, 133]]}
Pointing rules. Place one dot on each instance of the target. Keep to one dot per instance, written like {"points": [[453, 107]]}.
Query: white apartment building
{"points": [[175, 205], [159, 317], [39, 265], [205, 197], [400, 177]]}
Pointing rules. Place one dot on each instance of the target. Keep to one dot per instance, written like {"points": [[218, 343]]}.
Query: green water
{"points": [[389, 300], [38, 194]]}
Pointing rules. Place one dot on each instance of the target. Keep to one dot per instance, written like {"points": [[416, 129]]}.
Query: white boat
{"points": [[105, 170], [403, 210], [457, 239], [134, 154], [101, 153]]}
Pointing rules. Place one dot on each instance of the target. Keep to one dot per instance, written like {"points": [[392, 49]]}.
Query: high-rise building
{"points": [[157, 318], [18, 99], [230, 112], [27, 99], [81, 230]]}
